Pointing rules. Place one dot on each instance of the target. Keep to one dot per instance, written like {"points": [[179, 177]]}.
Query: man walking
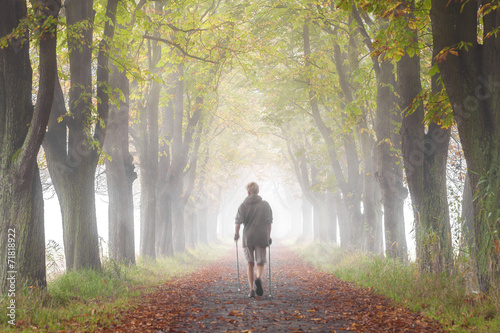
{"points": [[256, 216]]}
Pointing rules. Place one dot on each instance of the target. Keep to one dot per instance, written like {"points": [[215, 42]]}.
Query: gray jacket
{"points": [[256, 216]]}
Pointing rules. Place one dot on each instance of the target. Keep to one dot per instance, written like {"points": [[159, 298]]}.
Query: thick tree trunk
{"points": [[22, 129], [470, 77], [425, 153], [22, 232], [73, 179], [77, 198], [120, 176], [437, 251], [71, 160]]}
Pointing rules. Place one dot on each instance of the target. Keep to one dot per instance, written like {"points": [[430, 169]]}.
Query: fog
{"points": [[272, 189]]}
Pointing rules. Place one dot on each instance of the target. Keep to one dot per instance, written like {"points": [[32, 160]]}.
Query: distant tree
{"points": [[22, 129], [120, 174]]}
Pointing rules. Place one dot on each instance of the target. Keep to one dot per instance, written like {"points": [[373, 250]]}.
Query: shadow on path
{"points": [[303, 300]]}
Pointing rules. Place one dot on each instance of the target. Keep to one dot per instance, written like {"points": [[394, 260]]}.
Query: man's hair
{"points": [[253, 188]]}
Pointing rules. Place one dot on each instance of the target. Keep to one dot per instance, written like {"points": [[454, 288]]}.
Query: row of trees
{"points": [[361, 96], [381, 85]]}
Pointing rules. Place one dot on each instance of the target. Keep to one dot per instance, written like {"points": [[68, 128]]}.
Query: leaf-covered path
{"points": [[303, 300]]}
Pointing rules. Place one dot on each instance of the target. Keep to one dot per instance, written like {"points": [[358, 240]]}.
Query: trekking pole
{"points": [[270, 291], [237, 265]]}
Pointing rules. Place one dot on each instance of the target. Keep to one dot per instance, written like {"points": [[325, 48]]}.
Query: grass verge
{"points": [[446, 298], [83, 300]]}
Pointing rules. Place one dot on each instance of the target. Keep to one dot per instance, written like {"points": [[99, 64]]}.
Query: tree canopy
{"points": [[354, 102]]}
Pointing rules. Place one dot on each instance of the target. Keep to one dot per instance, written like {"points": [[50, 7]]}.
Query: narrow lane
{"points": [[303, 300]]}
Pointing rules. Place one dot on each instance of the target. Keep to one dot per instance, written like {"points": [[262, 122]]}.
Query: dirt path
{"points": [[303, 300]]}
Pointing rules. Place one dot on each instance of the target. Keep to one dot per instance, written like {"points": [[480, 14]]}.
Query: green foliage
{"points": [[449, 299]]}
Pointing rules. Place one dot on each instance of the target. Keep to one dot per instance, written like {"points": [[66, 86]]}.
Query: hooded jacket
{"points": [[256, 215]]}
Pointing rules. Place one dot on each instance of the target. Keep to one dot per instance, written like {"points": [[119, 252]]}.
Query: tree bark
{"points": [[70, 145], [471, 77], [22, 237], [425, 153]]}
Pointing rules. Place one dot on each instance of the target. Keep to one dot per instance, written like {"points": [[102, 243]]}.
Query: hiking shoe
{"points": [[252, 294], [258, 285]]}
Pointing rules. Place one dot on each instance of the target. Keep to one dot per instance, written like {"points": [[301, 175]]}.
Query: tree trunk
{"points": [[470, 77], [148, 155], [307, 223], [120, 176], [148, 206], [71, 159], [425, 155], [389, 172], [176, 185], [379, 231], [332, 217], [164, 241], [22, 221], [22, 242], [77, 198], [372, 223], [351, 188]]}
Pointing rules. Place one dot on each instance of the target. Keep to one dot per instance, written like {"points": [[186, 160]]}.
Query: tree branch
{"points": [[179, 47], [48, 70]]}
